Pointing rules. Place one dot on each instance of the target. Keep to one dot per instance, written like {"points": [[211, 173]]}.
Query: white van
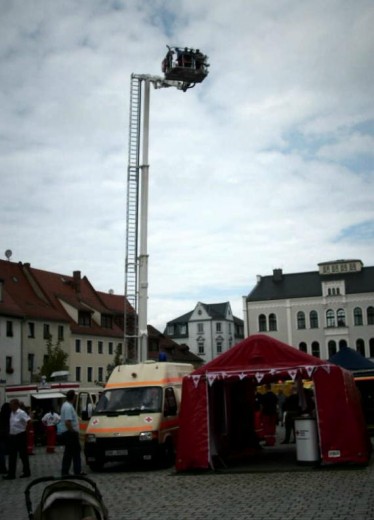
{"points": [[136, 418]]}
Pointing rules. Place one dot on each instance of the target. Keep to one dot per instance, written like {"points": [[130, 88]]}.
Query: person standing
{"points": [[50, 421], [269, 412], [4, 436], [18, 423], [292, 408], [69, 428]]}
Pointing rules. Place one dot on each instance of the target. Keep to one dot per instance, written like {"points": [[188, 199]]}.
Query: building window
{"points": [[341, 317], [100, 374], [84, 318], [89, 346], [9, 329], [219, 347], [77, 345], [315, 349], [89, 374], [200, 348], [370, 315], [46, 331], [110, 348], [107, 321], [272, 322], [371, 347], [360, 347], [313, 319], [218, 327], [100, 347], [300, 320], [9, 365], [330, 318], [182, 329], [170, 330], [30, 362], [31, 326], [60, 333], [331, 347], [342, 344], [262, 323], [200, 328], [78, 373], [303, 347], [357, 316]]}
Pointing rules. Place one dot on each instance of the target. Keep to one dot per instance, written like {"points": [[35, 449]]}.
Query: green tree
{"points": [[118, 360], [54, 360]]}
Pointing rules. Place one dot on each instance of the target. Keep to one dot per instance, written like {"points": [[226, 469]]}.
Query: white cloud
{"points": [[258, 167]]}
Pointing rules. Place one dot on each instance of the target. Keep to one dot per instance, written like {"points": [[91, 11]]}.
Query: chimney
{"points": [[277, 275], [77, 281]]}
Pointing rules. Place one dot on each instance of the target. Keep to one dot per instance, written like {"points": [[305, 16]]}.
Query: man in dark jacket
{"points": [[269, 414], [292, 408]]}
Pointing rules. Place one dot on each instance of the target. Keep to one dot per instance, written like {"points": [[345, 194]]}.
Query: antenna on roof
{"points": [[8, 253]]}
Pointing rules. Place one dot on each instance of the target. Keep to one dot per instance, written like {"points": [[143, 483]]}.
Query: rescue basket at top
{"points": [[184, 64]]}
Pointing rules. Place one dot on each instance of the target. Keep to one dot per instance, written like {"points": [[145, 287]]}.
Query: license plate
{"points": [[113, 453]]}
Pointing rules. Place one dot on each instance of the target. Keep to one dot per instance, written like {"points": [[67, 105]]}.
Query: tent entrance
{"points": [[232, 431]]}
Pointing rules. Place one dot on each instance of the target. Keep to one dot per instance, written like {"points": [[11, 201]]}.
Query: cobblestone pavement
{"points": [[282, 491]]}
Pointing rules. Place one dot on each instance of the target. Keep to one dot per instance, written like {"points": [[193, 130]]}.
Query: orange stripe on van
{"points": [[145, 427], [96, 429], [165, 381]]}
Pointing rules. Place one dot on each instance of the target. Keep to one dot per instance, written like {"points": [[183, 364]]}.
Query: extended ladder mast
{"points": [[136, 264]]}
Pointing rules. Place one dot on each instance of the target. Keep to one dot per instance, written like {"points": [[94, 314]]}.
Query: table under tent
{"points": [[217, 410]]}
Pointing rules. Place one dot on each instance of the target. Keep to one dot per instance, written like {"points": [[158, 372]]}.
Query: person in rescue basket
{"points": [[18, 423], [70, 437]]}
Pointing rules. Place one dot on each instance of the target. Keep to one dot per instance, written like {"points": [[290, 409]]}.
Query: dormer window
{"points": [[84, 318], [107, 321]]}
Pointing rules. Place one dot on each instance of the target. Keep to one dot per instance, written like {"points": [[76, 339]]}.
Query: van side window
{"points": [[82, 403], [170, 403]]}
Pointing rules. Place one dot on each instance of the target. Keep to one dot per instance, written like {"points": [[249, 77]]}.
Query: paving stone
{"points": [[289, 493]]}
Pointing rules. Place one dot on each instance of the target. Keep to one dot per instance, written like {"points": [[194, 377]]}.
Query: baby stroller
{"points": [[67, 498]]}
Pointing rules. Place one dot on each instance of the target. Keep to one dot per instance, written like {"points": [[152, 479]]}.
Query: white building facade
{"points": [[317, 312], [208, 330]]}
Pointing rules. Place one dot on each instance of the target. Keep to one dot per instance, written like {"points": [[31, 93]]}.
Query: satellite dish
{"points": [[8, 253]]}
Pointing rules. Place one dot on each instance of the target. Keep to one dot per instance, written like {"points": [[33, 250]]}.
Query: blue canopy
{"points": [[352, 360]]}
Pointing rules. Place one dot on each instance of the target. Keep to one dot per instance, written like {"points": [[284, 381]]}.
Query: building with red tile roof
{"points": [[36, 305]]}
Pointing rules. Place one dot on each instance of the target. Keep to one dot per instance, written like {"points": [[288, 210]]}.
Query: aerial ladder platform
{"points": [[182, 68]]}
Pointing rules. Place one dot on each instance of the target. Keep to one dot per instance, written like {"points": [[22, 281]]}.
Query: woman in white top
{"points": [[18, 423]]}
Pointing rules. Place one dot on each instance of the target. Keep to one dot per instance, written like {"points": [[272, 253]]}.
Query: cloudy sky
{"points": [[267, 164]]}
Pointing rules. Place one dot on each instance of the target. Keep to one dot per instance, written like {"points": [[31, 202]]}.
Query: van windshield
{"points": [[130, 400]]}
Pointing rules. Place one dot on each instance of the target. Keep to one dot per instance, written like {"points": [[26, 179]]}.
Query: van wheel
{"points": [[96, 466], [168, 454]]}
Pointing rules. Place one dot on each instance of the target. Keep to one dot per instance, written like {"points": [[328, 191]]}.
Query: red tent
{"points": [[215, 414]]}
